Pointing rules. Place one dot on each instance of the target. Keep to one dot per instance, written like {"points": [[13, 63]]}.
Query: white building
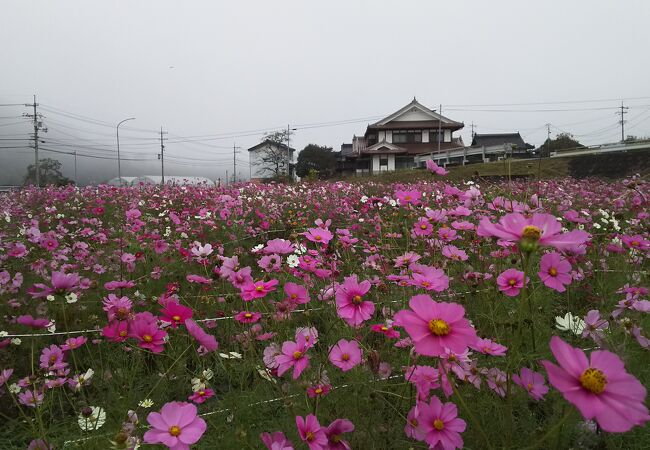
{"points": [[269, 158]]}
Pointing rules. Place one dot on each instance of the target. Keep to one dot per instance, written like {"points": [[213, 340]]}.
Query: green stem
{"points": [[551, 431]]}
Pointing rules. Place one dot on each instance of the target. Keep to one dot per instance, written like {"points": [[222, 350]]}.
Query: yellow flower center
{"points": [[248, 315], [310, 436], [529, 386], [634, 243], [297, 354], [439, 327], [414, 422], [407, 198], [147, 338], [438, 424], [512, 281], [345, 357], [294, 296], [318, 238], [552, 271], [593, 380], [356, 299], [423, 226], [176, 318], [318, 391], [426, 284], [384, 328], [259, 288], [532, 232], [123, 333], [175, 430]]}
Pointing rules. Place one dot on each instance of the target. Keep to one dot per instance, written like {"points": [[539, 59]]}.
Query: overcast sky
{"points": [[210, 69]]}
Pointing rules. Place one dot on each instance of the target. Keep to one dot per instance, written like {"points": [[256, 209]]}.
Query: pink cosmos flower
{"points": [[425, 378], [119, 284], [198, 279], [74, 343], [117, 307], [258, 289], [279, 246], [497, 381], [511, 282], [296, 293], [441, 424], [201, 396], [636, 242], [429, 278], [247, 317], [453, 252], [555, 271], [116, 331], [207, 341], [599, 387], [145, 329], [386, 330], [435, 168], [422, 227], [435, 326], [311, 432], [293, 355], [276, 441], [31, 322], [489, 347], [318, 235], [345, 354], [532, 382], [61, 283], [350, 305], [411, 197], [176, 426], [542, 229], [52, 358], [320, 390], [594, 326], [31, 398], [175, 313], [334, 431]]}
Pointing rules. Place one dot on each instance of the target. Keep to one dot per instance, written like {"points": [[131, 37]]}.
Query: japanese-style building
{"points": [[400, 141]]}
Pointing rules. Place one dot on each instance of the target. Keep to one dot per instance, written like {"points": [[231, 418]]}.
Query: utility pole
{"points": [[288, 152], [622, 113], [161, 156], [439, 127], [75, 167], [225, 181], [37, 126], [234, 162], [473, 126]]}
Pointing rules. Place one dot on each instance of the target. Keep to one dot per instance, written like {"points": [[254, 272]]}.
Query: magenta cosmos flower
{"points": [[175, 313], [334, 431], [555, 271], [542, 229], [296, 293], [276, 441], [145, 329], [311, 432], [511, 282], [258, 289], [440, 424], [599, 387], [435, 168], [176, 426], [319, 235], [207, 341], [350, 304], [293, 355], [434, 326], [533, 382], [345, 354], [248, 317]]}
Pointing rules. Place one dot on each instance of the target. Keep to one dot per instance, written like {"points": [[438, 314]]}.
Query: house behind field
{"points": [[400, 141]]}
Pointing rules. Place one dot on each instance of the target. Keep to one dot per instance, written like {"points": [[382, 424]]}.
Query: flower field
{"points": [[326, 316]]}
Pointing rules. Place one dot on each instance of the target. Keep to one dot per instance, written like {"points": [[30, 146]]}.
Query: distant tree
{"points": [[274, 158], [563, 141], [49, 171], [318, 158]]}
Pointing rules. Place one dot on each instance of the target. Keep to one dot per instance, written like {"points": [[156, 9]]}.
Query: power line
{"points": [[562, 102]]}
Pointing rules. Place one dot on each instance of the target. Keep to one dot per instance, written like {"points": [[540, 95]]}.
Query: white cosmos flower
{"points": [[146, 403], [71, 297], [94, 421], [570, 323], [293, 261], [16, 341], [208, 374], [257, 248]]}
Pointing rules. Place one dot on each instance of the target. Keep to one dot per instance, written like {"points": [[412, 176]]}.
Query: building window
{"points": [[383, 161], [433, 136], [407, 136]]}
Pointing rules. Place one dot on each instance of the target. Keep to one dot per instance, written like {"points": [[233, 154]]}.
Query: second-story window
{"points": [[407, 136]]}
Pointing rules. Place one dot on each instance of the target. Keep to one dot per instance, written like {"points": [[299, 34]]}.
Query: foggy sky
{"points": [[214, 68]]}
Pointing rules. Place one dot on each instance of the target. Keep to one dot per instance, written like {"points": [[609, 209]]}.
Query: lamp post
{"points": [[119, 162]]}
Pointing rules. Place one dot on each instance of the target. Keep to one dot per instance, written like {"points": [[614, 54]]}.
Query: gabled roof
{"points": [[268, 142], [415, 106], [490, 140], [383, 147]]}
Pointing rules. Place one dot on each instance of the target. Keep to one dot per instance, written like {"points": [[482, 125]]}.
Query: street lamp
{"points": [[119, 162]]}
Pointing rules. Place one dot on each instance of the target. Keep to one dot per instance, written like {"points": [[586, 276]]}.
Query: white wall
{"points": [[413, 115], [255, 156], [376, 168], [447, 135], [389, 136]]}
